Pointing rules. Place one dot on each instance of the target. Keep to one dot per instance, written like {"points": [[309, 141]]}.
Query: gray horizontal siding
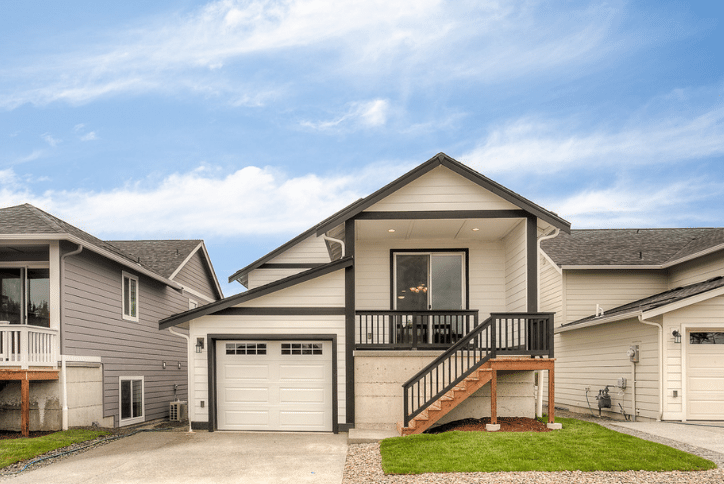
{"points": [[92, 325], [196, 275]]}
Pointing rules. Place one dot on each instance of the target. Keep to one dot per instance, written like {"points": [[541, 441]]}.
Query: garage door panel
{"points": [[303, 372], [705, 379], [246, 395], [302, 395], [246, 372], [276, 389], [301, 419]]}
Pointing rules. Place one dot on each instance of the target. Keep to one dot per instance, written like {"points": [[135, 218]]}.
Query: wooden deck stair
{"points": [[428, 417]]}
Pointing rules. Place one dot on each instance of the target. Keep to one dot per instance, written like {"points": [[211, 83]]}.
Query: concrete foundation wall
{"points": [[379, 376], [85, 401]]}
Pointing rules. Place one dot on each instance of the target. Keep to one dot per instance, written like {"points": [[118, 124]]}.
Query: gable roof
{"points": [[257, 292], [642, 248], [158, 259], [441, 159], [654, 305]]}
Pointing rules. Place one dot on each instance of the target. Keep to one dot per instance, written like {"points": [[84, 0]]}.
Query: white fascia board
{"points": [[683, 303], [596, 322], [109, 255], [694, 256], [185, 261], [201, 247], [197, 294]]}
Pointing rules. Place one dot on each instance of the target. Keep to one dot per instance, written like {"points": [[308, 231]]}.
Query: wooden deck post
{"points": [[494, 397], [551, 397], [25, 407]]}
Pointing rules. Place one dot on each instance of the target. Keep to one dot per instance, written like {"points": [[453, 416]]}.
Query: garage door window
{"points": [[301, 348], [245, 348], [131, 400], [701, 338]]}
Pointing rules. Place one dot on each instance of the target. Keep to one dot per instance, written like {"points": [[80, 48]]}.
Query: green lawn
{"points": [[579, 445], [16, 450]]}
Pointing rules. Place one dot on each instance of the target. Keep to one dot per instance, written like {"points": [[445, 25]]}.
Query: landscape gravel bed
{"points": [[364, 465]]}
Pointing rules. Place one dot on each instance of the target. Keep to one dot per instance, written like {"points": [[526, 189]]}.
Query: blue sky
{"points": [[246, 122]]}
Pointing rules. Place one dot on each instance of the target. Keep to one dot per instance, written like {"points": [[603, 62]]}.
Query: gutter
{"points": [[64, 368], [660, 328], [596, 322], [539, 393], [339, 241]]}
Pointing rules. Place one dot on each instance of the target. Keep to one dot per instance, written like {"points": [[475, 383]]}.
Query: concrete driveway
{"points": [[203, 457], [707, 435]]}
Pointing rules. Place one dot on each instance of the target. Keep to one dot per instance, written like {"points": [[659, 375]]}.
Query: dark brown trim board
{"points": [[350, 305], [285, 311], [442, 214], [211, 340]]}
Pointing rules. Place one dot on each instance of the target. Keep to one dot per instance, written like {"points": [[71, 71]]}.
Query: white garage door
{"points": [[274, 385], [705, 375]]}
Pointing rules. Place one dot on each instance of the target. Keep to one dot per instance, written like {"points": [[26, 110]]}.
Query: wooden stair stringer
{"points": [[443, 405]]}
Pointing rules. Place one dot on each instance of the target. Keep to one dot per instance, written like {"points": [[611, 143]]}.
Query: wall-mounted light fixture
{"points": [[199, 345], [677, 336]]}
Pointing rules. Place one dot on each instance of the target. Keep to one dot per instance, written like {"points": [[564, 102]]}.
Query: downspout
{"points": [[539, 393], [660, 328], [64, 367], [340, 242], [188, 373]]}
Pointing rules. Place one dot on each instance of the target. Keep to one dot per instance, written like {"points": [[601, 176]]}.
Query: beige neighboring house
{"points": [[644, 305], [430, 282]]}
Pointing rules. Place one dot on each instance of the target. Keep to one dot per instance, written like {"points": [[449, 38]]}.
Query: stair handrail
{"points": [[480, 355]]}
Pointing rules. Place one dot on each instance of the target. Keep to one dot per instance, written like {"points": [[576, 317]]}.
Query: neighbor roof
{"points": [[360, 205], [156, 258], [654, 248], [633, 309]]}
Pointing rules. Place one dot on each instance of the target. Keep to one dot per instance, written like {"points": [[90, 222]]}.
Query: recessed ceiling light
{"points": [[390, 230], [475, 229]]}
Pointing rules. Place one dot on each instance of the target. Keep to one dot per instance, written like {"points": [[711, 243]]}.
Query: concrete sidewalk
{"points": [[202, 457], [707, 435]]}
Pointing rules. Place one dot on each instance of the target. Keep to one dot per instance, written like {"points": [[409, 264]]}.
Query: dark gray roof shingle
{"points": [[631, 247], [657, 300], [161, 256]]}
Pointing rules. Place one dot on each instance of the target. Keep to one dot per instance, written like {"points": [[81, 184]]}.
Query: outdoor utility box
{"points": [[177, 411]]}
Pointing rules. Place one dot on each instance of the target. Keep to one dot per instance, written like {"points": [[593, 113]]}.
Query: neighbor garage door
{"points": [[274, 385], [705, 375]]}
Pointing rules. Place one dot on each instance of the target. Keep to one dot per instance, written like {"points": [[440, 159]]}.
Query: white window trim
{"points": [[125, 275], [133, 420]]}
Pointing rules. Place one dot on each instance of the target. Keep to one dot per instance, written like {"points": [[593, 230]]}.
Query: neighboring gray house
{"points": [[79, 338], [433, 273], [659, 292]]}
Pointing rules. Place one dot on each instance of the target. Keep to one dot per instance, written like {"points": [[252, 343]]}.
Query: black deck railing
{"points": [[501, 334], [412, 329]]}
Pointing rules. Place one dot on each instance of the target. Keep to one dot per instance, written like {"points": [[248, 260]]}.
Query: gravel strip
{"points": [[364, 465]]}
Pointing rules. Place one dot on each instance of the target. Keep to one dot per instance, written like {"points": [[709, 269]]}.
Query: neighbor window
{"points": [[25, 296], [131, 391], [130, 297]]}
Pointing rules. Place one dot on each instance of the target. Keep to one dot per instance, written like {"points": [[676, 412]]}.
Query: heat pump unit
{"points": [[177, 411]]}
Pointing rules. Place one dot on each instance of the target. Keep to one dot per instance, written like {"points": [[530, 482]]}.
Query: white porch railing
{"points": [[26, 346]]}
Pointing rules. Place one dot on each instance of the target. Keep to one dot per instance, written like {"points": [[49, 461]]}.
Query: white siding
{"points": [[595, 357], [324, 291], [516, 269], [551, 287], [310, 250], [441, 189], [260, 277], [487, 272], [281, 325], [610, 289], [697, 270], [706, 314]]}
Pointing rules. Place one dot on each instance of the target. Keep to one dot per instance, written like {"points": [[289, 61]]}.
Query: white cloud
{"points": [[89, 136], [78, 128], [546, 146], [368, 114], [389, 41], [48, 138]]}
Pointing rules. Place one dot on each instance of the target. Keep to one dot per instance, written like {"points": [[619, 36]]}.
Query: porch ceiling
{"points": [[457, 229]]}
